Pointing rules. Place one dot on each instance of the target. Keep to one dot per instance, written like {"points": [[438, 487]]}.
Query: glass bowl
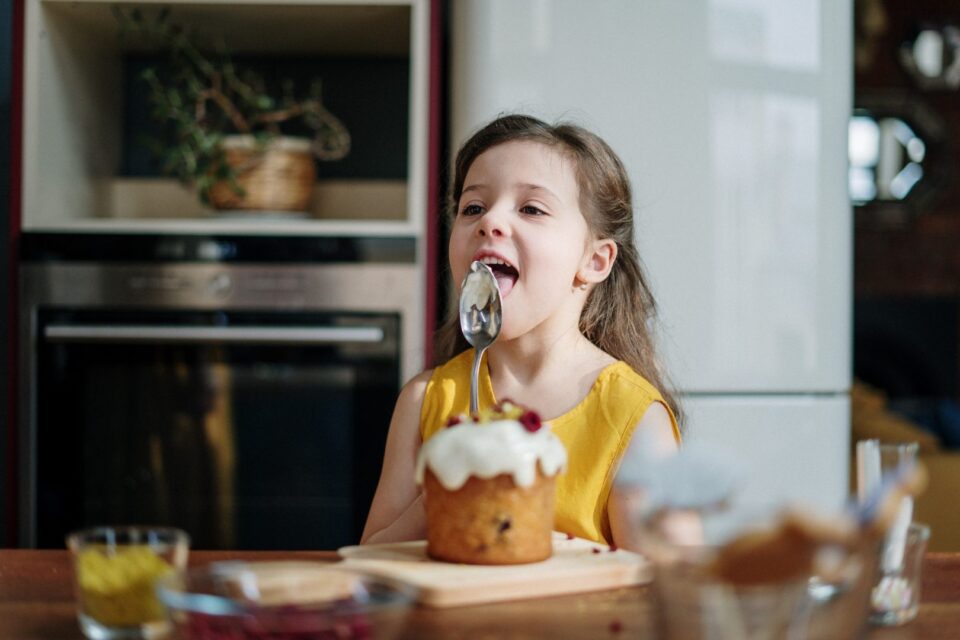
{"points": [[756, 573], [291, 600]]}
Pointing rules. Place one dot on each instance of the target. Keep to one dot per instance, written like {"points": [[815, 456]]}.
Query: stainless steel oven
{"points": [[246, 402]]}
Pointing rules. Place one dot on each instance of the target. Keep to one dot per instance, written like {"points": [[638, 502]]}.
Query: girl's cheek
{"points": [[457, 270], [457, 248]]}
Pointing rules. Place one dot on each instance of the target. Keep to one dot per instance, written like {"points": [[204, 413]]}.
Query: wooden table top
{"points": [[36, 602]]}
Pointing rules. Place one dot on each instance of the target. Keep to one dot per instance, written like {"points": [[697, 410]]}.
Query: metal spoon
{"points": [[480, 317]]}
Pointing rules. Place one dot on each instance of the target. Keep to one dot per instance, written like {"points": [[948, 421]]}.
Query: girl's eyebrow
{"points": [[527, 186], [537, 187], [473, 187]]}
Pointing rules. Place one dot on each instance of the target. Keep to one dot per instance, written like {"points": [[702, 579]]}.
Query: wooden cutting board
{"points": [[576, 566]]}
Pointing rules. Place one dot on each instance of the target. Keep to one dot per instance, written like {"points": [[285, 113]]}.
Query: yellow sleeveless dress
{"points": [[596, 432]]}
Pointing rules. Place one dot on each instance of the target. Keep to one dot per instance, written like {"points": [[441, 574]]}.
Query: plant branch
{"points": [[202, 96], [280, 115], [216, 95]]}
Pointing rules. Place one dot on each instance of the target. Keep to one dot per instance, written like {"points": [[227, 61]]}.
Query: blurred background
{"points": [[794, 167]]}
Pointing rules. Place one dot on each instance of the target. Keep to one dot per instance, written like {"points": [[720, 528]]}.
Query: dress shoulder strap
{"points": [[448, 393]]}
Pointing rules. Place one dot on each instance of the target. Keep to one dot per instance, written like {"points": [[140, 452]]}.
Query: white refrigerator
{"points": [[731, 117]]}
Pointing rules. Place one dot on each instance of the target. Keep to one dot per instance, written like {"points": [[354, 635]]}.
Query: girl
{"points": [[549, 209]]}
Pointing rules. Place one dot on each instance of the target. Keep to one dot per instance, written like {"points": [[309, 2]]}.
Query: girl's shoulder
{"points": [[618, 397], [419, 381], [620, 377], [629, 395], [412, 393]]}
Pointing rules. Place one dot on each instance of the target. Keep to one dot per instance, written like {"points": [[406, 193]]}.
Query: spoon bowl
{"points": [[481, 316]]}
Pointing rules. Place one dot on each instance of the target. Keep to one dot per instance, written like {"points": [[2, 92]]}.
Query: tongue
{"points": [[505, 281]]}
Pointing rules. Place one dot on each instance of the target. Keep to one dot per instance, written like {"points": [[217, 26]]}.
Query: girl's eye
{"points": [[532, 210], [471, 210]]}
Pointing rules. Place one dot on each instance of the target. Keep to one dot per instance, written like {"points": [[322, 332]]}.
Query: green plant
{"points": [[203, 96]]}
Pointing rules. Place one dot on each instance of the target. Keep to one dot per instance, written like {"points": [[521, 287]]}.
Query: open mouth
{"points": [[505, 273]]}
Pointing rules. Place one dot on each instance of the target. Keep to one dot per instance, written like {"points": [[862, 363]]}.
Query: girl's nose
{"points": [[493, 224]]}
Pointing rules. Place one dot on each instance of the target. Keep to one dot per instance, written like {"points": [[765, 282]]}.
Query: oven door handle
{"points": [[182, 334]]}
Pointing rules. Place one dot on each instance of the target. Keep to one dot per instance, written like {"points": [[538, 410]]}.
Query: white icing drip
{"points": [[489, 449]]}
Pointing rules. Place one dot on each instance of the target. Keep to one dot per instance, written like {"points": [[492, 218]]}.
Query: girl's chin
{"points": [[508, 329]]}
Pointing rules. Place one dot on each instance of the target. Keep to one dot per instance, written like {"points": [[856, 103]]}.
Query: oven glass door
{"points": [[248, 430]]}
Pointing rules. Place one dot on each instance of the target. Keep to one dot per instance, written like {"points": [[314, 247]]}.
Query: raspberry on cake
{"points": [[489, 483]]}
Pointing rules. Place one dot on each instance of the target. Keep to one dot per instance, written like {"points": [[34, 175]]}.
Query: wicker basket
{"points": [[279, 177]]}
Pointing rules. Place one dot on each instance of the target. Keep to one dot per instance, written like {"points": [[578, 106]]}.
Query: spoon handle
{"points": [[474, 382]]}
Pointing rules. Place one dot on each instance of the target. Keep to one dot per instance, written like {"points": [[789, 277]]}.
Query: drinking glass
{"points": [[115, 570], [895, 596]]}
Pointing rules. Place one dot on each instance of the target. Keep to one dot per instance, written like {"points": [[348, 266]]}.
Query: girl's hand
{"points": [[411, 525]]}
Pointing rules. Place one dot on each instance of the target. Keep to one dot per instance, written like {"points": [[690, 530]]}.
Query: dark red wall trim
{"points": [[433, 174], [12, 480]]}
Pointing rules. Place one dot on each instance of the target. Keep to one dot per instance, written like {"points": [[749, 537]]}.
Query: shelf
{"points": [[344, 28], [74, 114], [159, 205]]}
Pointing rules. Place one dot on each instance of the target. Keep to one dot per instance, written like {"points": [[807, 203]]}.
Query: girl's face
{"points": [[520, 213]]}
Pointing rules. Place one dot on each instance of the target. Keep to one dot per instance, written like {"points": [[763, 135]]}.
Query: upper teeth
{"points": [[492, 260]]}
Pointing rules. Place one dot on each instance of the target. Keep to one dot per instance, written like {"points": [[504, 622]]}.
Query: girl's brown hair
{"points": [[620, 312]]}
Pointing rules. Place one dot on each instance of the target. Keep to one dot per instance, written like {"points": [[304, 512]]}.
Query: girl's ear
{"points": [[598, 261]]}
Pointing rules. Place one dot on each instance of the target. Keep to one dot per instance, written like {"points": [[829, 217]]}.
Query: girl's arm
{"points": [[652, 438], [397, 512]]}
